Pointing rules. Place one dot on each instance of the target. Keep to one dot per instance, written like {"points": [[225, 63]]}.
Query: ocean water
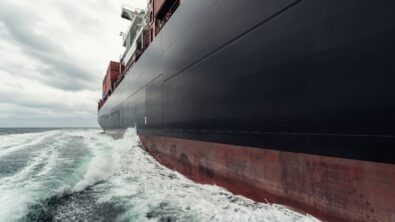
{"points": [[85, 175]]}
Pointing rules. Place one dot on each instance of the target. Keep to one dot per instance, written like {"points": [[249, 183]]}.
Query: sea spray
{"points": [[83, 174]]}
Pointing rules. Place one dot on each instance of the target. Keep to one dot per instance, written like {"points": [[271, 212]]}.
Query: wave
{"points": [[16, 142], [101, 166], [150, 191], [87, 175], [40, 177]]}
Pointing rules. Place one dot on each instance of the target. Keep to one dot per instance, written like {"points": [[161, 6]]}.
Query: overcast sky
{"points": [[53, 57]]}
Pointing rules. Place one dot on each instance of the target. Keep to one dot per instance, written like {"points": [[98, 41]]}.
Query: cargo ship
{"points": [[286, 101]]}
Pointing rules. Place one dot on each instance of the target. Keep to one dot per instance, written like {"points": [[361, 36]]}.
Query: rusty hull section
{"points": [[333, 189]]}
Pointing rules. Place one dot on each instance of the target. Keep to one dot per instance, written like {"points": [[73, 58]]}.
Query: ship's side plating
{"points": [[308, 77]]}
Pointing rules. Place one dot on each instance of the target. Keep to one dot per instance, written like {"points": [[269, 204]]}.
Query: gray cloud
{"points": [[69, 74], [53, 56]]}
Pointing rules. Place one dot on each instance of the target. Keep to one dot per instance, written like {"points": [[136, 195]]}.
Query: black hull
{"points": [[303, 76], [256, 95]]}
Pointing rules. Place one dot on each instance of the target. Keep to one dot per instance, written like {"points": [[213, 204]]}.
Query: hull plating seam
{"points": [[343, 146]]}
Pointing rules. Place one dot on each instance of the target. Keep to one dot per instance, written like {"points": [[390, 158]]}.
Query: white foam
{"points": [[16, 142], [147, 187], [16, 191], [27, 185], [51, 162], [12, 204], [101, 165], [132, 178]]}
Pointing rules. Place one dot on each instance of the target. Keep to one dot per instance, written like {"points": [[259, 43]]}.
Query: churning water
{"points": [[85, 175]]}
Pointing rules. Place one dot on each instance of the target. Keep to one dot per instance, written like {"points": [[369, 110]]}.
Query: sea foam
{"points": [[88, 172]]}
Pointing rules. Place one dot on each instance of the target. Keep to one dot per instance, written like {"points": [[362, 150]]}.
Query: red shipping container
{"points": [[110, 78]]}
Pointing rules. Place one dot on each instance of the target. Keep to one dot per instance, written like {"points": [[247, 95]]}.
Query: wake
{"points": [[87, 175]]}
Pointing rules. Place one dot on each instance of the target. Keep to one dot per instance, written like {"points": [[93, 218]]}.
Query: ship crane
{"points": [[133, 39]]}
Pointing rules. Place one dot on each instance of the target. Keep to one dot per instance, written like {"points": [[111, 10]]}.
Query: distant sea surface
{"points": [[85, 175], [4, 131]]}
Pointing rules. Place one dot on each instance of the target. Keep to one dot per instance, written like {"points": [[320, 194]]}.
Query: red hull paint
{"points": [[329, 188]]}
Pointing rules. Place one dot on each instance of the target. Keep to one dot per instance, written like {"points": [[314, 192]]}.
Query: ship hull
{"points": [[330, 188], [306, 86]]}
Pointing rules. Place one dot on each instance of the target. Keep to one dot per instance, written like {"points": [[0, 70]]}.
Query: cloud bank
{"points": [[53, 56]]}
